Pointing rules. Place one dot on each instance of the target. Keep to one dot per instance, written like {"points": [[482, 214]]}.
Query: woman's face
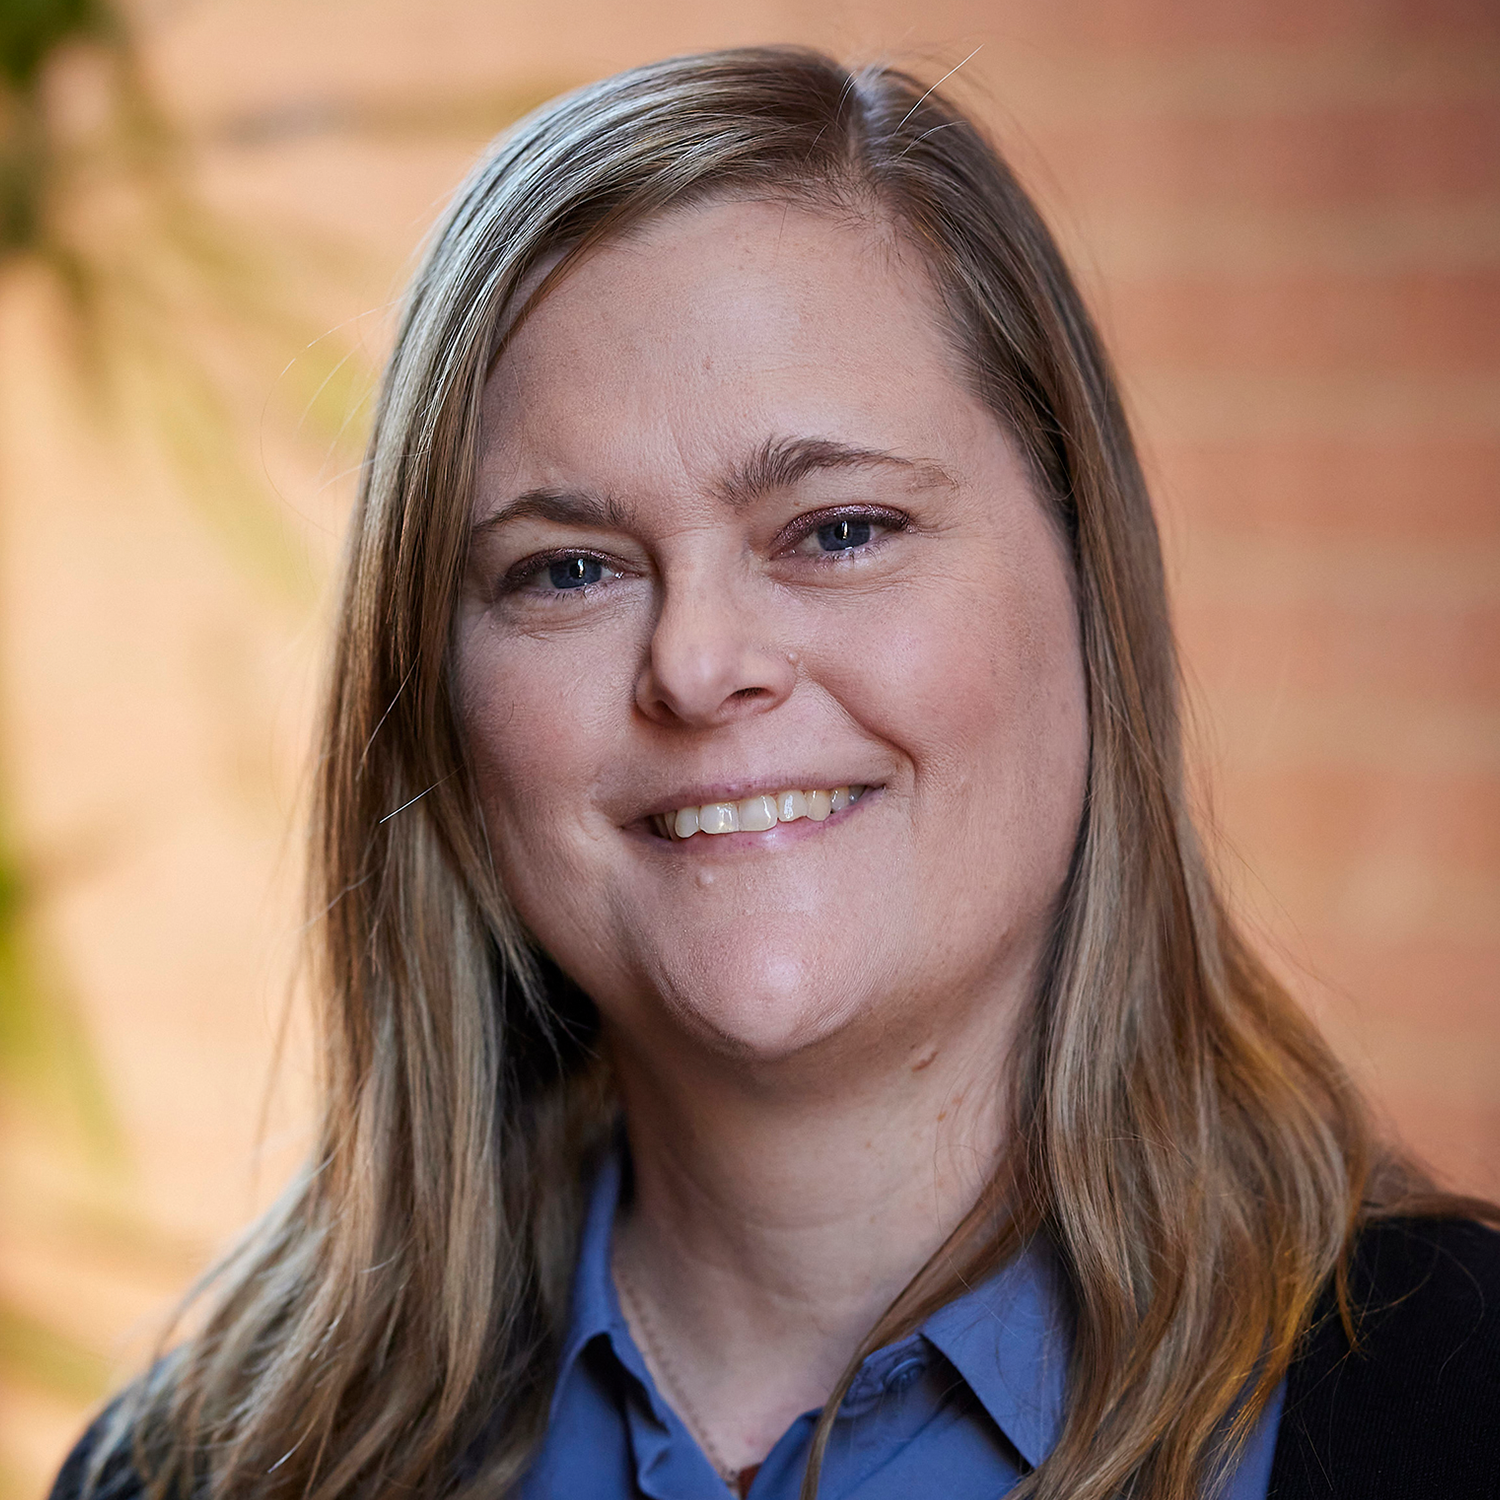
{"points": [[742, 532]]}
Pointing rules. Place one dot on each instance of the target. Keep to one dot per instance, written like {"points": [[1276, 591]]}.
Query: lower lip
{"points": [[769, 838]]}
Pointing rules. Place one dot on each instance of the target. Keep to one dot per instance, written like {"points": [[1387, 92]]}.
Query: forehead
{"points": [[705, 332]]}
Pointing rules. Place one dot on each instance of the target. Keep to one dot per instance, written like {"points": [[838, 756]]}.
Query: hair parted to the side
{"points": [[1177, 1128]]}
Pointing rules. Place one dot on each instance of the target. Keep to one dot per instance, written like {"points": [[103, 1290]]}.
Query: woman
{"points": [[781, 1033]]}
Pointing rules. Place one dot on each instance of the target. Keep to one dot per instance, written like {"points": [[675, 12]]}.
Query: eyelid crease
{"points": [[814, 520], [790, 535], [535, 560], [528, 567]]}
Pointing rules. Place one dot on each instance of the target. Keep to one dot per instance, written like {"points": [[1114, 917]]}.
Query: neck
{"points": [[779, 1210]]}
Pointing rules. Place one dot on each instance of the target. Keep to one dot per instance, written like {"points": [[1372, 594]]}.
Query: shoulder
{"points": [[1412, 1407]]}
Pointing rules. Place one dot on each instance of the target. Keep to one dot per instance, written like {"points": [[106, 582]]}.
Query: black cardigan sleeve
{"points": [[1413, 1410], [118, 1482]]}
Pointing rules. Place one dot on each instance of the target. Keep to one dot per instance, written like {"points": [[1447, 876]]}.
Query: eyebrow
{"points": [[778, 464], [782, 463], [566, 507]]}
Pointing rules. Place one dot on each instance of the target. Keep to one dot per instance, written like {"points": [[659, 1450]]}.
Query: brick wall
{"points": [[1287, 215], [1293, 215]]}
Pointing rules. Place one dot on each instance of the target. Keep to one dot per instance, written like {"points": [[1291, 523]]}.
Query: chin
{"points": [[762, 1007]]}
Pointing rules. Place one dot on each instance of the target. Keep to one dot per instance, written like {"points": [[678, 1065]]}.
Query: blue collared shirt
{"points": [[960, 1409]]}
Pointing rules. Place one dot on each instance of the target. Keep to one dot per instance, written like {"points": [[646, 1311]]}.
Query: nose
{"points": [[710, 662]]}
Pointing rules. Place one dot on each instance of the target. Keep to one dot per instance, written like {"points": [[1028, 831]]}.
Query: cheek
{"points": [[537, 734], [539, 718], [980, 685], [979, 672]]}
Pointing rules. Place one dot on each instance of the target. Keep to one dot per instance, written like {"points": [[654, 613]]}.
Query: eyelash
{"points": [[529, 568], [807, 525], [790, 537]]}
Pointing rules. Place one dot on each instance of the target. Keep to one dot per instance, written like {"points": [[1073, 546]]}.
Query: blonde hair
{"points": [[1178, 1131]]}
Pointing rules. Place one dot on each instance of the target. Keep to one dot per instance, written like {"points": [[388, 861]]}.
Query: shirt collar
{"points": [[1008, 1337], [594, 1308]]}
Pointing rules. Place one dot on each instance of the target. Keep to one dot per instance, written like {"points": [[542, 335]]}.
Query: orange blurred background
{"points": [[1287, 217]]}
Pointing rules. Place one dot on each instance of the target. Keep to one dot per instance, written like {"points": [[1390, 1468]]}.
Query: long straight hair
{"points": [[1177, 1130]]}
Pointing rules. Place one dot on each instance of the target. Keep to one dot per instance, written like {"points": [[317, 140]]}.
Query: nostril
{"points": [[751, 692]]}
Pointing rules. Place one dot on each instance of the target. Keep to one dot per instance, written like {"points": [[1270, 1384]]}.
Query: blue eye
{"points": [[843, 534], [574, 572]]}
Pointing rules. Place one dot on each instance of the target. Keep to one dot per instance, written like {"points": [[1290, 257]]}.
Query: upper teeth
{"points": [[756, 814]]}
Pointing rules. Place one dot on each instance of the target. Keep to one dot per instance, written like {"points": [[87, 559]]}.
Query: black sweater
{"points": [[1411, 1413], [1414, 1409]]}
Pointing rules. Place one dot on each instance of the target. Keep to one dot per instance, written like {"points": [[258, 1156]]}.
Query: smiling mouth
{"points": [[755, 814]]}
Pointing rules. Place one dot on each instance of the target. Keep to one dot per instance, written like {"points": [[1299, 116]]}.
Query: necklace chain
{"points": [[635, 1311]]}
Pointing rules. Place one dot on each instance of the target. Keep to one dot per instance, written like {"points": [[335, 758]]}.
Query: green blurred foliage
{"points": [[168, 313], [171, 316]]}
